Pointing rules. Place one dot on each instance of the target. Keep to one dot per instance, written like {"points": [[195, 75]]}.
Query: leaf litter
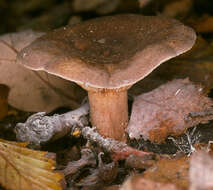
{"points": [[134, 158], [197, 65], [26, 169]]}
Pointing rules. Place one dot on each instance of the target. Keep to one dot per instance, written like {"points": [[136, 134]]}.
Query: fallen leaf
{"points": [[30, 91], [4, 90], [173, 171], [26, 169], [138, 182], [169, 110], [201, 171]]}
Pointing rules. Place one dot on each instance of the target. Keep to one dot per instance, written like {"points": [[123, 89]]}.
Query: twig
{"points": [[118, 149], [194, 115], [41, 129]]}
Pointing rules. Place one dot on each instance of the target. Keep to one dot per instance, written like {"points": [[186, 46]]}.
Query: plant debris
{"points": [[104, 174], [169, 110], [170, 170], [201, 171], [40, 128], [119, 150], [88, 160], [25, 169], [136, 182]]}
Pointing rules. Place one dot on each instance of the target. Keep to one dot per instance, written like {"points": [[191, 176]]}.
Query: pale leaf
{"points": [[26, 169]]}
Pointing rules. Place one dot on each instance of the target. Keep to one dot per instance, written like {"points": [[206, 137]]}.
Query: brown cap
{"points": [[109, 52]]}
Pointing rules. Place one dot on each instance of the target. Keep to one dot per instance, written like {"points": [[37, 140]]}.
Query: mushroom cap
{"points": [[108, 52]]}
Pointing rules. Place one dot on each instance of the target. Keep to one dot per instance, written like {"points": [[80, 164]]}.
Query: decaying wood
{"points": [[118, 149], [40, 128]]}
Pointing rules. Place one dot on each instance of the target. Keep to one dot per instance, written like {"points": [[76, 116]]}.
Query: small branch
{"points": [[118, 149], [194, 115], [41, 129]]}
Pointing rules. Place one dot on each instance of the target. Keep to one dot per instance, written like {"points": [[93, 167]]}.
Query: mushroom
{"points": [[106, 56]]}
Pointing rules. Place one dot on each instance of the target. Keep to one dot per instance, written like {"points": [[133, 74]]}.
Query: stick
{"points": [[40, 128]]}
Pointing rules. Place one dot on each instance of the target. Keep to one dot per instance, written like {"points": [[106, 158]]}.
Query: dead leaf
{"points": [[26, 169], [201, 171], [174, 171], [138, 182], [4, 90], [169, 110], [30, 91]]}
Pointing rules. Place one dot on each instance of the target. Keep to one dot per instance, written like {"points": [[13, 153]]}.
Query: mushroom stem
{"points": [[109, 112]]}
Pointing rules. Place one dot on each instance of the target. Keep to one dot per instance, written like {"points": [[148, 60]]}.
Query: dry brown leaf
{"points": [[30, 91], [201, 171], [167, 110], [138, 182], [173, 171], [26, 169]]}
